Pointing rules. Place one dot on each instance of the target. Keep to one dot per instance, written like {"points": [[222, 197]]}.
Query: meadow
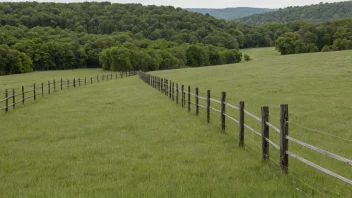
{"points": [[122, 138], [315, 86]]}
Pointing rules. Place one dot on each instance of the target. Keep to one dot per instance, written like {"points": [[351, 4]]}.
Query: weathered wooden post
{"points": [[182, 96], [170, 91], [241, 124], [13, 99], [74, 82], [176, 93], [173, 91], [79, 82], [208, 106], [265, 132], [49, 87], [167, 87], [42, 89], [34, 96], [91, 80], [162, 85], [283, 139], [189, 98], [54, 82], [197, 101], [223, 111], [23, 95], [7, 100], [61, 84]]}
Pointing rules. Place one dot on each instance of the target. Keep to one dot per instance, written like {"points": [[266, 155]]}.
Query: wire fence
{"points": [[12, 97], [167, 87]]}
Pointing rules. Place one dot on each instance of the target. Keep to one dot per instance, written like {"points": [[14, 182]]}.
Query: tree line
{"points": [[51, 36], [311, 13], [146, 56]]}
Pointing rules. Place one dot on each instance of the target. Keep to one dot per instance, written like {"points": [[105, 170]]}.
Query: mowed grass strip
{"points": [[124, 139]]}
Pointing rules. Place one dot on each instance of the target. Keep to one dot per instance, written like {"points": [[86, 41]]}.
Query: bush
{"points": [[247, 57], [327, 48]]}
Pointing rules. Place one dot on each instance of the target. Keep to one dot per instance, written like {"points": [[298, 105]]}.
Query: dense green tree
{"points": [[313, 13]]}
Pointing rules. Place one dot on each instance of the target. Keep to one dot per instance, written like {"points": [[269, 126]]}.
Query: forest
{"points": [[51, 36], [231, 13], [310, 13]]}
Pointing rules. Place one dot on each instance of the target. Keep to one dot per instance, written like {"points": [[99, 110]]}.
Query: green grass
{"points": [[315, 86], [27, 80], [121, 138]]}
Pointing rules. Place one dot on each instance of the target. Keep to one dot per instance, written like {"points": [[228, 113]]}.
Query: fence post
{"points": [[197, 101], [241, 124], [173, 91], [22, 94], [208, 106], [79, 82], [74, 82], [13, 99], [182, 96], [98, 78], [42, 89], [34, 96], [189, 98], [54, 85], [7, 100], [162, 85], [61, 84], [265, 132], [166, 87], [170, 91], [223, 108], [283, 134], [49, 87], [176, 93]]}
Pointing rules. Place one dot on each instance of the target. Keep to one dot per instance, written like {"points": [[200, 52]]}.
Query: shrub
{"points": [[247, 57]]}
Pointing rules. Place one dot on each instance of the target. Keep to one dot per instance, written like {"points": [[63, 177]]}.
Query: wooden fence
{"points": [[167, 87], [12, 98]]}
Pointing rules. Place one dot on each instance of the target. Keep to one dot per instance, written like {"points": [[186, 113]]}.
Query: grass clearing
{"points": [[314, 85], [122, 138], [16, 81]]}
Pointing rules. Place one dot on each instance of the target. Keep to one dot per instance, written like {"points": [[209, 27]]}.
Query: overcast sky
{"points": [[209, 3]]}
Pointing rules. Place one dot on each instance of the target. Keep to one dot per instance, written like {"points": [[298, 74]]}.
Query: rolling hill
{"points": [[313, 13], [231, 13]]}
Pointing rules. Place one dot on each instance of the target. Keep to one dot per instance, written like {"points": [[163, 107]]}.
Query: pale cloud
{"points": [[210, 3]]}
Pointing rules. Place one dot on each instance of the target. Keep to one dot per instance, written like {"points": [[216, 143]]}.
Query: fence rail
{"points": [[166, 87], [49, 87]]}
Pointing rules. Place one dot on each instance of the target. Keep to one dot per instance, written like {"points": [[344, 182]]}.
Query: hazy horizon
{"points": [[220, 4]]}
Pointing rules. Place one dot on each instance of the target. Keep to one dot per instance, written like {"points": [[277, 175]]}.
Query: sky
{"points": [[209, 3]]}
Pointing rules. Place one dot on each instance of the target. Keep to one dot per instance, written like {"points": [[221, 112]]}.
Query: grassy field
{"points": [[16, 81], [315, 86], [121, 138]]}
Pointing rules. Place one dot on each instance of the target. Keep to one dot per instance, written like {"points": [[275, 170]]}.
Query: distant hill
{"points": [[313, 13], [231, 13]]}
